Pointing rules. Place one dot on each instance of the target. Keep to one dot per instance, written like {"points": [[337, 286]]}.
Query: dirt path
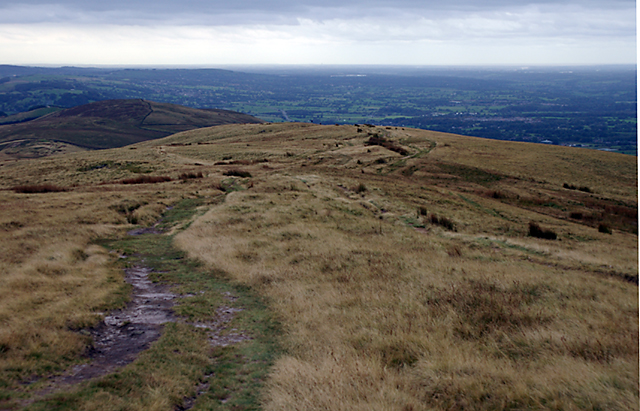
{"points": [[123, 335], [127, 333]]}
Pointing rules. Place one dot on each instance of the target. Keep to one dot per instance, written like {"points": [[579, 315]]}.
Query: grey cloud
{"points": [[361, 20], [258, 11]]}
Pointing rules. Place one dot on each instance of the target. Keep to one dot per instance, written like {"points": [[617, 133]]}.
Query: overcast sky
{"points": [[403, 32]]}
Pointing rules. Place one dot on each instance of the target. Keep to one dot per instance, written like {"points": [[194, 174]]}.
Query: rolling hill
{"points": [[323, 267], [106, 124]]}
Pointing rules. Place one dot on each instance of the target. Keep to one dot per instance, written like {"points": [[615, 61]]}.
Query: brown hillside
{"points": [[109, 124]]}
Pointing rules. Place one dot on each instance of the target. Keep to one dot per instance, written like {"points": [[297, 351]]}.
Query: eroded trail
{"points": [[178, 323], [127, 332], [124, 333]]}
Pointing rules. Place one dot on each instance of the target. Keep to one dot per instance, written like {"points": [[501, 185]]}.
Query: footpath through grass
{"points": [[190, 366]]}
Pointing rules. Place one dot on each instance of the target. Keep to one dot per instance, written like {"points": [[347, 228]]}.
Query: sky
{"points": [[311, 32]]}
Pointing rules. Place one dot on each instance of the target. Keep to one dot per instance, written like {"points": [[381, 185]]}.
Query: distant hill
{"points": [[110, 124]]}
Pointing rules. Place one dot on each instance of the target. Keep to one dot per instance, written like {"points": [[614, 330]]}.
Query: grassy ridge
{"points": [[482, 318], [381, 305]]}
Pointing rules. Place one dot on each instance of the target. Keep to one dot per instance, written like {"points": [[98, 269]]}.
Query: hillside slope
{"points": [[109, 124], [401, 265]]}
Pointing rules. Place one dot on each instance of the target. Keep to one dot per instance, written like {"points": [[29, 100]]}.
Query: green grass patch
{"points": [[98, 166], [181, 212], [489, 242], [518, 247]]}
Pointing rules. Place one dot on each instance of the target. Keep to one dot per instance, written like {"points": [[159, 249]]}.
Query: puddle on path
{"points": [[145, 230]]}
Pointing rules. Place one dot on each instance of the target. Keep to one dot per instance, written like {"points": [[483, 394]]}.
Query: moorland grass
{"points": [[415, 327], [376, 312], [54, 282]]}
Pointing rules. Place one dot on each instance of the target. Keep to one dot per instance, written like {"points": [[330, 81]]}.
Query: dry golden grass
{"points": [[53, 280], [546, 164], [380, 309], [394, 320]]}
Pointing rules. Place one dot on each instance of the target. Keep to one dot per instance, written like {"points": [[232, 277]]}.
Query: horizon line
{"points": [[523, 66]]}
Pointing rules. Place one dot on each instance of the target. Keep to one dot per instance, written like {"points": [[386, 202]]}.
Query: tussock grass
{"points": [[603, 228], [360, 188], [572, 187], [442, 221], [190, 175]]}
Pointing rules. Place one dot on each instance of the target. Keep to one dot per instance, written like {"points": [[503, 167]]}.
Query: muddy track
{"points": [[127, 332], [123, 334]]}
